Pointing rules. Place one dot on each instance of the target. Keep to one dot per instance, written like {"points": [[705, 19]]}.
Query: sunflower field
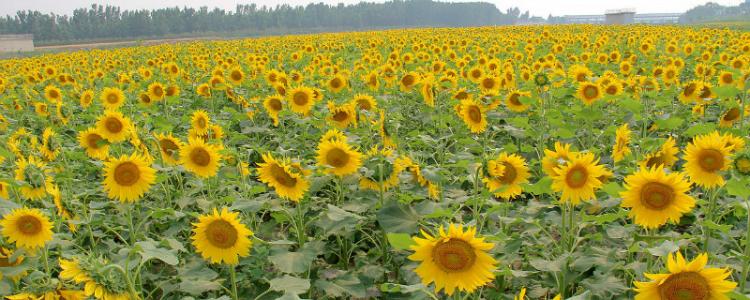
{"points": [[540, 162]]}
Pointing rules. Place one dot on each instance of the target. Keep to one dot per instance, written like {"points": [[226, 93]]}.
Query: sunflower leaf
{"points": [[290, 284]]}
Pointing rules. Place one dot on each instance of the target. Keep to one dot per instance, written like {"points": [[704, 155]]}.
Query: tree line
{"points": [[111, 22], [712, 11]]}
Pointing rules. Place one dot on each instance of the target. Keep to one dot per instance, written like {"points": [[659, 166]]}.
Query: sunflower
{"points": [[741, 164], [127, 178], [112, 98], [473, 115], [169, 146], [338, 157], [342, 115], [34, 177], [655, 197], [666, 156], [506, 174], [365, 102], [622, 138], [156, 91], [52, 93], [686, 280], [408, 81], [113, 126], [50, 146], [200, 158], [733, 142], [428, 94], [690, 92], [236, 76], [5, 261], [4, 193], [41, 109], [301, 100], [87, 97], [200, 121], [28, 228], [454, 260], [553, 159], [221, 238], [513, 101], [287, 179], [100, 281], [95, 145], [706, 157], [588, 92], [204, 90], [578, 178], [273, 105], [732, 115]]}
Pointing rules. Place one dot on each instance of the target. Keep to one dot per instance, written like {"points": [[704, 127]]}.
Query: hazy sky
{"points": [[536, 7]]}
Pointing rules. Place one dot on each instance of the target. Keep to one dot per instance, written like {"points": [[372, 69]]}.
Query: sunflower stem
{"points": [[300, 224], [746, 255], [233, 278], [709, 217], [130, 224], [45, 256]]}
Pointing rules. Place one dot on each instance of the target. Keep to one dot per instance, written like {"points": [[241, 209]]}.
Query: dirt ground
{"points": [[73, 47]]}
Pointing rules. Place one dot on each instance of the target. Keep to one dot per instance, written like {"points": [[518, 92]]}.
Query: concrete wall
{"points": [[16, 42], [619, 18]]}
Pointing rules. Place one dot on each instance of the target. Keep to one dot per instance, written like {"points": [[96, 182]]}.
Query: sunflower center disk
{"points": [[509, 175], [93, 140], [127, 174], [200, 157], [340, 116], [275, 105], [514, 100], [29, 225], [168, 147], [221, 234], [113, 125], [590, 92], [732, 114], [474, 114], [711, 160], [282, 177], [300, 98], [576, 177], [685, 286], [656, 195], [454, 255], [337, 158], [112, 98]]}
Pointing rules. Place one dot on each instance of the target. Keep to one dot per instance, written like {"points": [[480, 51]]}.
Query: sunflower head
{"points": [[287, 179], [338, 157], [686, 280], [113, 126], [29, 228], [655, 197], [200, 158], [453, 260], [127, 178], [579, 178], [221, 238], [706, 158]]}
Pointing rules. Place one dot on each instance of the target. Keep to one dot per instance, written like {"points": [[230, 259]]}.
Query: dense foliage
{"points": [[567, 162]]}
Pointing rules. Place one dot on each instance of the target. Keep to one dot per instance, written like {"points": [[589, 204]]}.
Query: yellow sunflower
{"points": [[655, 197], [28, 228], [50, 146], [4, 193], [588, 92], [365, 102], [301, 100], [95, 145], [666, 156], [553, 159], [408, 81], [112, 98], [34, 177], [454, 260], [107, 285], [127, 178], [200, 122], [273, 105], [338, 157], [473, 115], [622, 138], [5, 261], [733, 142], [342, 115], [200, 158], [113, 126], [506, 173], [686, 280], [706, 157], [52, 93], [288, 180], [513, 101], [156, 91], [169, 146], [221, 238], [579, 178]]}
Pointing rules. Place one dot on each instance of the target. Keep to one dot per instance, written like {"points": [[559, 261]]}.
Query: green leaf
{"points": [[664, 249], [701, 128], [605, 218], [613, 189], [543, 186], [336, 220], [343, 285], [630, 104], [295, 262], [739, 187], [725, 92], [671, 123], [198, 286], [400, 241], [397, 218], [148, 250], [720, 227], [290, 284]]}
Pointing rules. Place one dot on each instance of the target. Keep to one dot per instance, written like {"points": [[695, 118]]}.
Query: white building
{"points": [[16, 42]]}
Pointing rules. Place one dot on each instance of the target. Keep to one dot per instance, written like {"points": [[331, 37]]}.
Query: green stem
{"points": [[709, 217], [233, 278], [746, 256], [300, 224], [45, 255]]}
